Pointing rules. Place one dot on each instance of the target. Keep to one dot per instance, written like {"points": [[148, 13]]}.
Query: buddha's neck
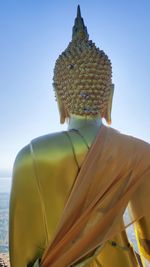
{"points": [[80, 122]]}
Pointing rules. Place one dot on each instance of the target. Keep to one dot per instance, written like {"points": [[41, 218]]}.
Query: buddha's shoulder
{"points": [[128, 141], [44, 147], [53, 141]]}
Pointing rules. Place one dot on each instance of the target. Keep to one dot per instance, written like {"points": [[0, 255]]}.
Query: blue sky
{"points": [[32, 35]]}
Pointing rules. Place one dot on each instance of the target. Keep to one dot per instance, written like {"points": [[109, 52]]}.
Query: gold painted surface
{"points": [[119, 255], [44, 173]]}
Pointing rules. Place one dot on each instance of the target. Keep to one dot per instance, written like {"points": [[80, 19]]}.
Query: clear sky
{"points": [[32, 35]]}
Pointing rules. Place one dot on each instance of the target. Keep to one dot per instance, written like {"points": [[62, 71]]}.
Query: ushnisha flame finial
{"points": [[79, 30]]}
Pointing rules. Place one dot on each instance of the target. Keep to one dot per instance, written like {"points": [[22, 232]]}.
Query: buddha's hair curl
{"points": [[82, 78]]}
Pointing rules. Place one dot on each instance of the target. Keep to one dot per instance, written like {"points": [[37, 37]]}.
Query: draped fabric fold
{"points": [[114, 168]]}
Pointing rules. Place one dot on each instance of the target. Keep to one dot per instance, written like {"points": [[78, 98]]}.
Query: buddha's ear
{"points": [[62, 112], [109, 105]]}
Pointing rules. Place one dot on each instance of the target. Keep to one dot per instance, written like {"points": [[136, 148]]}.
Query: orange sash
{"points": [[112, 171]]}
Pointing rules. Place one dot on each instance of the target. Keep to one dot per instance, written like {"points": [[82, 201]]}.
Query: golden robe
{"points": [[116, 167]]}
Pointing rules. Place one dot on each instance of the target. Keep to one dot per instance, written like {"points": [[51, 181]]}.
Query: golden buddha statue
{"points": [[70, 189]]}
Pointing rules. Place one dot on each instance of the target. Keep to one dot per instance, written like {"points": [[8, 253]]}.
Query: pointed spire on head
{"points": [[78, 12], [79, 30]]}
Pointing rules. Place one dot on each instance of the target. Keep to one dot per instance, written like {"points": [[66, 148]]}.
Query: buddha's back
{"points": [[57, 159]]}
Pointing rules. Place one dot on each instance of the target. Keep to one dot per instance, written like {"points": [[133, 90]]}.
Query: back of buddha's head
{"points": [[82, 76]]}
